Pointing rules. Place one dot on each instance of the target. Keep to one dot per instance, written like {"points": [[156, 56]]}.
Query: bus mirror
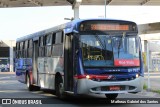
{"points": [[75, 31]]}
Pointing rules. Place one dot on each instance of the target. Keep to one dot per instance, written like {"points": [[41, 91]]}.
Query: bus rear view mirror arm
{"points": [[75, 31]]}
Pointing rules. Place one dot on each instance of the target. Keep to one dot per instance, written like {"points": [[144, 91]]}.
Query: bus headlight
{"points": [[137, 75], [87, 76]]}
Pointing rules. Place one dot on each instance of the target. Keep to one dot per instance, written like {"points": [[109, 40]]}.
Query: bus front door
{"points": [[69, 61]]}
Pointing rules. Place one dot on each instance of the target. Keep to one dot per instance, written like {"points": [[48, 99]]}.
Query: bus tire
{"points": [[59, 88], [111, 96], [28, 82]]}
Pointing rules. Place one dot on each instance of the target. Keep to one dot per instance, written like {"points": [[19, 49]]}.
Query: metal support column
{"points": [[11, 56], [75, 7], [146, 47], [105, 8]]}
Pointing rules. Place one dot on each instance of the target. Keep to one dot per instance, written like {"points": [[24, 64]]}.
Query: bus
{"points": [[85, 56], [4, 64]]}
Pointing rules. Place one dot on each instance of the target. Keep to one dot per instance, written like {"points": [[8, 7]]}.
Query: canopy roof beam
{"points": [[36, 2], [108, 2], [144, 2], [3, 4]]}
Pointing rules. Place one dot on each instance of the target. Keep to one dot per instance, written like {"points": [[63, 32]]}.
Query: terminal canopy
{"points": [[33, 3]]}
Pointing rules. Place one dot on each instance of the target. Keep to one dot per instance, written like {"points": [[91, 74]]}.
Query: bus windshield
{"points": [[109, 50]]}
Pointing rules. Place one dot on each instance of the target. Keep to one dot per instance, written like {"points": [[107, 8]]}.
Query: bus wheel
{"points": [[29, 86], [59, 88], [111, 96]]}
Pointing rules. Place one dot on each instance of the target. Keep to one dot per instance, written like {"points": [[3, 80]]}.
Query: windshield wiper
{"points": [[103, 43], [109, 46], [120, 43], [119, 46], [99, 39]]}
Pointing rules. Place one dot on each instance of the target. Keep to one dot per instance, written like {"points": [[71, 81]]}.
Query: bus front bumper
{"points": [[86, 86]]}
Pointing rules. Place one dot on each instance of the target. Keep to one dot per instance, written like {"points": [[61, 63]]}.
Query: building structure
{"points": [[7, 54]]}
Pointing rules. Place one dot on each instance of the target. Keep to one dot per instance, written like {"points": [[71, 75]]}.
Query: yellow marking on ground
{"points": [[7, 73], [43, 93], [11, 91], [36, 92], [48, 95]]}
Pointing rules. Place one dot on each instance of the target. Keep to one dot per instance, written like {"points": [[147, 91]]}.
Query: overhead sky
{"points": [[17, 22]]}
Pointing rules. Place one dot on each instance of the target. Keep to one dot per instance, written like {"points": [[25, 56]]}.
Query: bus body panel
{"points": [[20, 75], [47, 69], [23, 65], [45, 81]]}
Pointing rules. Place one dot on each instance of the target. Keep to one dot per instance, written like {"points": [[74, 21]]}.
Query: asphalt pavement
{"points": [[11, 88]]}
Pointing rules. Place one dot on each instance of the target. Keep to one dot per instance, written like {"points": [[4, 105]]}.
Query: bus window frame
{"points": [[53, 38], [48, 46], [54, 45], [30, 48], [26, 44], [41, 47], [21, 49], [17, 49], [59, 40], [26, 49], [41, 41]]}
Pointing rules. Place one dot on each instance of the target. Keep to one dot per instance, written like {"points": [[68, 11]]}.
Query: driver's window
{"points": [[131, 44]]}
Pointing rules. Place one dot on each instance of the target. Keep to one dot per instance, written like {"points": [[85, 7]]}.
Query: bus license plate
{"points": [[114, 88]]}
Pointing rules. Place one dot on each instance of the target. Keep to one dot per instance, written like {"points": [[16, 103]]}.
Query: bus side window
{"points": [[17, 50], [49, 39], [30, 48], [41, 42], [57, 48], [48, 44], [26, 44], [41, 47], [59, 37], [26, 49], [21, 49], [53, 38]]}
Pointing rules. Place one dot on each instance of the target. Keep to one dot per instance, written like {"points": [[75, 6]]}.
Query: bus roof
{"points": [[68, 27]]}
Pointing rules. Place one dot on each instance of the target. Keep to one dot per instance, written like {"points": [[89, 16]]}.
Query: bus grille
{"points": [[107, 88], [114, 79]]}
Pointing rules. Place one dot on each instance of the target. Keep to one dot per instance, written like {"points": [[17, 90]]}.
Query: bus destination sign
{"points": [[104, 27], [107, 26]]}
